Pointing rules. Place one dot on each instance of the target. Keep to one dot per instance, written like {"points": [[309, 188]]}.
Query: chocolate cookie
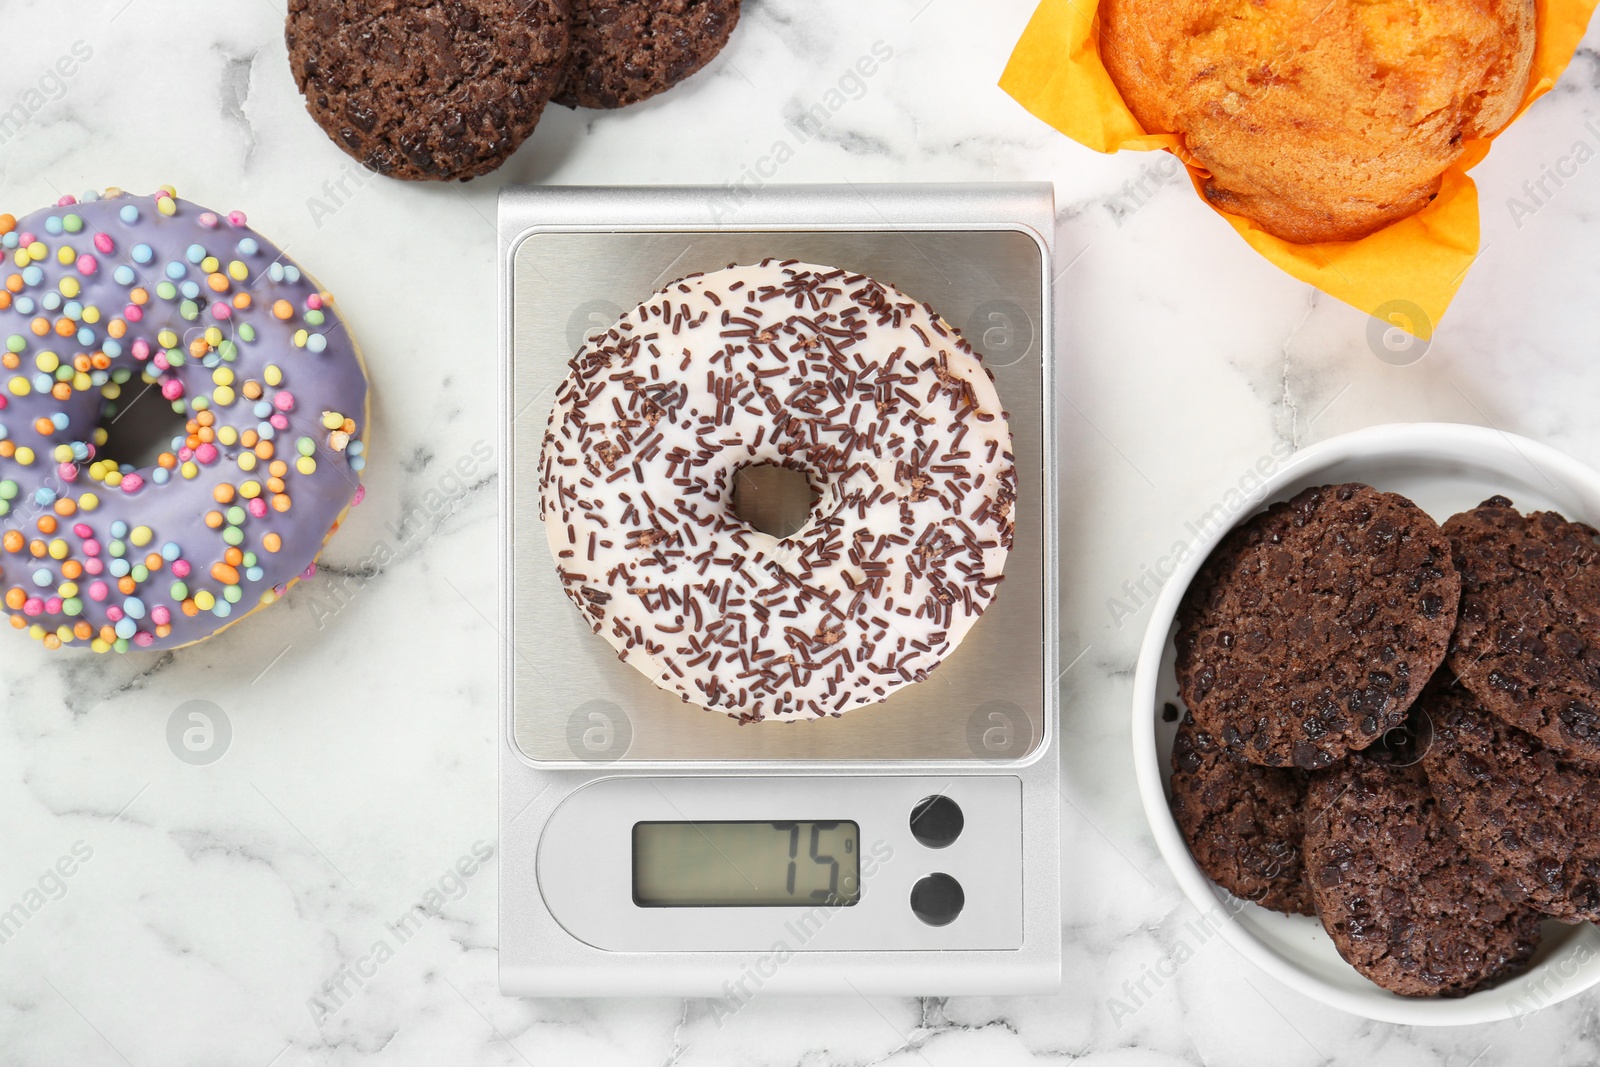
{"points": [[1242, 821], [1531, 815], [1403, 903], [428, 90], [1313, 626], [1528, 643], [625, 51]]}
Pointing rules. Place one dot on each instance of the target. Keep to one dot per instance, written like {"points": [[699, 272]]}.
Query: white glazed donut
{"points": [[883, 406]]}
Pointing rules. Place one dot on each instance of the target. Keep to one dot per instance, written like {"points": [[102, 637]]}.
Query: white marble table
{"points": [[218, 900]]}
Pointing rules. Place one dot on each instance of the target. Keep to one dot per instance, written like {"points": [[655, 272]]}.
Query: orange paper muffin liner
{"points": [[1407, 272]]}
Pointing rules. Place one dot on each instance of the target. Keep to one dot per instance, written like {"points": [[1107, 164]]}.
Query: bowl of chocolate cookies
{"points": [[1366, 723]]}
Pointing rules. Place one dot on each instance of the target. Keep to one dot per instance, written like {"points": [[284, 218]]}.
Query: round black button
{"points": [[937, 821], [937, 899]]}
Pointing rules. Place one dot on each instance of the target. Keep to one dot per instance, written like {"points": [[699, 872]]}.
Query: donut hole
{"points": [[138, 433], [772, 498]]}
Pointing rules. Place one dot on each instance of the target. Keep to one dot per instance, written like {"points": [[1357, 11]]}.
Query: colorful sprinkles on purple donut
{"points": [[104, 298]]}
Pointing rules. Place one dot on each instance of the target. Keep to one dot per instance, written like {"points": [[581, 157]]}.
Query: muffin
{"points": [[1320, 120]]}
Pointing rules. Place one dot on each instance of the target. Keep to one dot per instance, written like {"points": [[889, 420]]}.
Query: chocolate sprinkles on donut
{"points": [[882, 405]]}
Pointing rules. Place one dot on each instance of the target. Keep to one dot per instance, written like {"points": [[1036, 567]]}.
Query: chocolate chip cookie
{"points": [[1312, 627], [1403, 903], [1242, 821], [624, 51], [428, 90], [1532, 815], [1528, 643]]}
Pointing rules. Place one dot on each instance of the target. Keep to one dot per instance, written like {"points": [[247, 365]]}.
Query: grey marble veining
{"points": [[298, 901]]}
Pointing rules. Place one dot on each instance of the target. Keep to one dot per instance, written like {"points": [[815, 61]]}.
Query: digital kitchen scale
{"points": [[650, 847]]}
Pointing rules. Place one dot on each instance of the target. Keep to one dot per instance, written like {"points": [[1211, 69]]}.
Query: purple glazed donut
{"points": [[108, 297]]}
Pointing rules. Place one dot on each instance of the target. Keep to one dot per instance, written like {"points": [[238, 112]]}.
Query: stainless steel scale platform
{"points": [[609, 784]]}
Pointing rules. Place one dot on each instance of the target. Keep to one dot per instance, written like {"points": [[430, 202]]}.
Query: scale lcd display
{"points": [[746, 864]]}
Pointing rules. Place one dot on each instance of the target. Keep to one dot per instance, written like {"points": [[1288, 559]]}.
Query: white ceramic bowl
{"points": [[1445, 468]]}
